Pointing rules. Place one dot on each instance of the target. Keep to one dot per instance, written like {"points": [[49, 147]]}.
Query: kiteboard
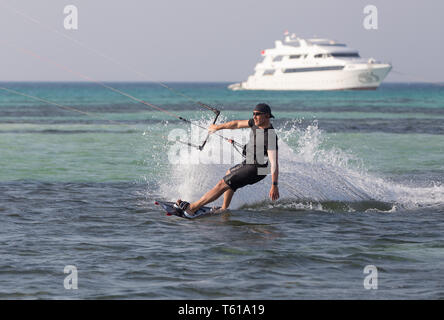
{"points": [[171, 210]]}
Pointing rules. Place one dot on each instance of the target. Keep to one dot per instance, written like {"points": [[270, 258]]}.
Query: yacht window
{"points": [[332, 44], [323, 55], [293, 70], [345, 55], [277, 58], [268, 72], [293, 43], [295, 56]]}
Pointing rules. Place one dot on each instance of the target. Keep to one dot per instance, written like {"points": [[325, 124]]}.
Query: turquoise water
{"points": [[361, 183]]}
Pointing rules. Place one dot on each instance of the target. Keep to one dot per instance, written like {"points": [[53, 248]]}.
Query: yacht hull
{"points": [[352, 77]]}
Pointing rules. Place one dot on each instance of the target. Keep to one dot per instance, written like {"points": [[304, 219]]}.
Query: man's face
{"points": [[260, 118]]}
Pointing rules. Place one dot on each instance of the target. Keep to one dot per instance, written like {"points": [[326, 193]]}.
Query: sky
{"points": [[205, 40]]}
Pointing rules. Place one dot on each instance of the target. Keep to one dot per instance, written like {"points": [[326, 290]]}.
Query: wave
{"points": [[310, 174], [325, 206]]}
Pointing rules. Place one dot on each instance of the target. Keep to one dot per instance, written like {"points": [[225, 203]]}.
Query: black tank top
{"points": [[254, 145]]}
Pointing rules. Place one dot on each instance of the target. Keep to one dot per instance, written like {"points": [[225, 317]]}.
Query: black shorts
{"points": [[241, 175]]}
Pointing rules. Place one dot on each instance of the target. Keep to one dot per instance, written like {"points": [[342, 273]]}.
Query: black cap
{"points": [[265, 108]]}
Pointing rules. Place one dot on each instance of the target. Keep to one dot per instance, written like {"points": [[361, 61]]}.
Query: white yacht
{"points": [[314, 64]]}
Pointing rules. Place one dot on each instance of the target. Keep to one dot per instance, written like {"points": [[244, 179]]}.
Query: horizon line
{"points": [[184, 82]]}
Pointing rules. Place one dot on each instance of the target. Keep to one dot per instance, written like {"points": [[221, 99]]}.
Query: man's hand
{"points": [[274, 193], [235, 124], [213, 128]]}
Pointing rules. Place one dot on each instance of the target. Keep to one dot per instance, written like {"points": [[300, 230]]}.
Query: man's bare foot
{"points": [[218, 210]]}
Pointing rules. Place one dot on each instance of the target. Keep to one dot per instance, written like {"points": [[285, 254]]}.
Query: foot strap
{"points": [[182, 207]]}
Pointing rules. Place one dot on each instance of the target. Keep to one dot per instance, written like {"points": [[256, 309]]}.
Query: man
{"points": [[262, 145]]}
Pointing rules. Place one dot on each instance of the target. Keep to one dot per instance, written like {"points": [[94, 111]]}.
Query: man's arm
{"points": [[236, 124], [273, 158]]}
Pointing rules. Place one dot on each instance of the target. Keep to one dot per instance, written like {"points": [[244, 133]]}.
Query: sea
{"points": [[360, 213]]}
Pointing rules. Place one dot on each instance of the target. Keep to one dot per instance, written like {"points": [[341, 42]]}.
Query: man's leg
{"points": [[228, 195], [210, 196]]}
